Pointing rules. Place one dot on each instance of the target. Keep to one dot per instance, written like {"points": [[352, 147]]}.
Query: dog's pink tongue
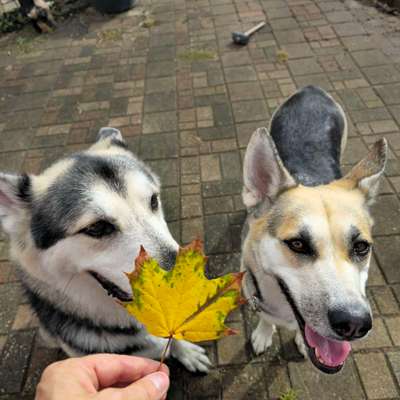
{"points": [[331, 352]]}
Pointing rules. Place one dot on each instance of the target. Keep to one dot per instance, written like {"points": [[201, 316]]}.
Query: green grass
{"points": [[289, 395], [148, 22], [110, 35], [25, 45]]}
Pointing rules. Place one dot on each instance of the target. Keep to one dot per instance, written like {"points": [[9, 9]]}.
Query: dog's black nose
{"points": [[168, 259], [350, 326]]}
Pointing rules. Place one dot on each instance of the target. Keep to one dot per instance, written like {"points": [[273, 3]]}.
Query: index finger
{"points": [[110, 369]]}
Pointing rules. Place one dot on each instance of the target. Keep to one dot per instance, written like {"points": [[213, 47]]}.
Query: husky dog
{"points": [[74, 230], [307, 238]]}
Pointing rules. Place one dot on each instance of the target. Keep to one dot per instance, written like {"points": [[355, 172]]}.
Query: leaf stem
{"points": [[164, 353]]}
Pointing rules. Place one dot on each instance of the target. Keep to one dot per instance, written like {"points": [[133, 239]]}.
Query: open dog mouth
{"points": [[111, 288], [326, 354]]}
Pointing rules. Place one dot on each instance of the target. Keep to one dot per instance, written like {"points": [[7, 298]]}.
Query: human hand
{"points": [[104, 377]]}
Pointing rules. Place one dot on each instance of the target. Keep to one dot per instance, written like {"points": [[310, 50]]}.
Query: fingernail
{"points": [[160, 380]]}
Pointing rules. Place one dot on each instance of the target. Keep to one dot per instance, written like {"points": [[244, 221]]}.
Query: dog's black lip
{"points": [[300, 320], [111, 288]]}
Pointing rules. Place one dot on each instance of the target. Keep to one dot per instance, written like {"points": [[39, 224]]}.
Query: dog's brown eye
{"points": [[99, 229], [299, 246], [154, 202], [361, 248]]}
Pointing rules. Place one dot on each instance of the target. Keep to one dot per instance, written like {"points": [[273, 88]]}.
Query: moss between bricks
{"points": [[289, 395]]}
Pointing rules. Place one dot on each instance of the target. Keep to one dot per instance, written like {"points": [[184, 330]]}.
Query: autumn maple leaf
{"points": [[182, 303]]}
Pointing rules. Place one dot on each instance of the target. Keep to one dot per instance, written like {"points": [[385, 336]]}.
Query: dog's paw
{"points": [[301, 347], [261, 338], [193, 357]]}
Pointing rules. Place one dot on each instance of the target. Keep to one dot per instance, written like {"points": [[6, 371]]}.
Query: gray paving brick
{"points": [[341, 386], [15, 359]]}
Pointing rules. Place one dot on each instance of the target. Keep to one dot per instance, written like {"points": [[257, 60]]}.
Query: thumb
{"points": [[151, 387]]}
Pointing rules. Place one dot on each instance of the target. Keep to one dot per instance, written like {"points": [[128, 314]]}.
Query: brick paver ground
{"points": [[189, 113]]}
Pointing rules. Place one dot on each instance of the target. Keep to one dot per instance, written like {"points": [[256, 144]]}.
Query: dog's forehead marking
{"points": [[62, 194], [329, 212], [49, 176]]}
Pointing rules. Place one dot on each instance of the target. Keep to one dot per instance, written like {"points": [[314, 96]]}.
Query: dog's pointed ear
{"points": [[14, 193], [108, 137], [367, 173], [264, 174]]}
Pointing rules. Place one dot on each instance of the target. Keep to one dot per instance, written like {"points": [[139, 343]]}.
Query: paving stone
{"points": [[15, 359], [377, 338], [210, 168], [226, 187], [236, 58], [386, 214], [367, 58], [159, 146], [191, 206], [298, 50], [232, 349], [253, 110], [219, 132], [339, 16], [203, 387], [160, 69], [240, 74], [192, 228], [215, 205], [284, 24], [160, 122], [349, 29], [394, 360], [155, 85], [222, 115], [309, 383], [10, 297], [215, 234], [244, 383], [231, 167], [385, 300], [393, 325], [304, 66], [162, 101], [171, 203], [12, 161], [389, 93], [378, 382], [386, 250], [41, 358], [14, 140], [375, 276], [369, 115], [245, 91], [382, 74], [167, 170], [289, 36]]}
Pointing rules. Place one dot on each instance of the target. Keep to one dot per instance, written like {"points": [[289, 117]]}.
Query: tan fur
{"points": [[335, 206]]}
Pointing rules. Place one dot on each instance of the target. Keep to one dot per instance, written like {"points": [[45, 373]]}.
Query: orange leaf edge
{"points": [[231, 332], [142, 257]]}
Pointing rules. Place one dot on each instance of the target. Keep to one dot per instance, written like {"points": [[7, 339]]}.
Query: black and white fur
{"points": [[74, 230]]}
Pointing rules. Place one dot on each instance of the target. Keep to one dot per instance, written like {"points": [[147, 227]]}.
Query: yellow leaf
{"points": [[182, 303]]}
